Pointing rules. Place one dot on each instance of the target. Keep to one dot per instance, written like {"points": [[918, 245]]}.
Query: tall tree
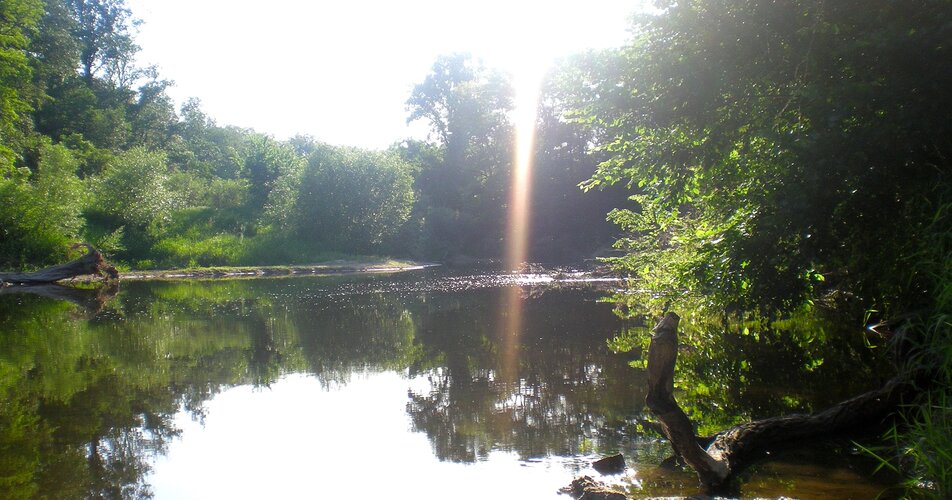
{"points": [[104, 30], [567, 224], [467, 107]]}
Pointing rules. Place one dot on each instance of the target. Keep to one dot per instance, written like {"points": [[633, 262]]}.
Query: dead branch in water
{"points": [[731, 450]]}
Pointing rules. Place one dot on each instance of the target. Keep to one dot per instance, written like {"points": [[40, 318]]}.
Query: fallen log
{"points": [[731, 450], [92, 263]]}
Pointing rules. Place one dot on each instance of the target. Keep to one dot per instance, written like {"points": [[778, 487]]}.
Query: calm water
{"points": [[428, 384]]}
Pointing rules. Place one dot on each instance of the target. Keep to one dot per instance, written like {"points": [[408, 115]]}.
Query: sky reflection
{"points": [[300, 438]]}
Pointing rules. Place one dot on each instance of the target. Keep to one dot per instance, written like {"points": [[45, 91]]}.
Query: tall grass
{"points": [[924, 443]]}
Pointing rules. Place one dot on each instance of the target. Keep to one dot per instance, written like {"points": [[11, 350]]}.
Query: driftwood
{"points": [[92, 263], [732, 449]]}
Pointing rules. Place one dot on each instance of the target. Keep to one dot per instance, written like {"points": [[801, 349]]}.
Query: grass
{"points": [[922, 445]]}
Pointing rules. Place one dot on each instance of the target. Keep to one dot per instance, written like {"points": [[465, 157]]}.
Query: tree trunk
{"points": [[730, 450], [91, 263]]}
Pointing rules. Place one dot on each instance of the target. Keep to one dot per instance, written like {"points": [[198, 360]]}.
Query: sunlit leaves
{"points": [[17, 19], [40, 213], [134, 190], [780, 138], [353, 199]]}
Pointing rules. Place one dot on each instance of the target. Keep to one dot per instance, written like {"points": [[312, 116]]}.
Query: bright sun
{"points": [[341, 71]]}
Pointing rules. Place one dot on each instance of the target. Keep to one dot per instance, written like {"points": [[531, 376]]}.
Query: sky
{"points": [[341, 71]]}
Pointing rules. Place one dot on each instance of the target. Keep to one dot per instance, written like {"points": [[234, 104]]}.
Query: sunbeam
{"points": [[517, 234], [527, 87]]}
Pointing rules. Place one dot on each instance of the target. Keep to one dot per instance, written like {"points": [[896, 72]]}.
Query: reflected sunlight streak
{"points": [[527, 88]]}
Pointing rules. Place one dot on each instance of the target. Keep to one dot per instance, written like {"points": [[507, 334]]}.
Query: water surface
{"points": [[404, 385]]}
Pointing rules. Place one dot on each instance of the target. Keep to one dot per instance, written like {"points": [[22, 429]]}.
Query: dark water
{"points": [[428, 384]]}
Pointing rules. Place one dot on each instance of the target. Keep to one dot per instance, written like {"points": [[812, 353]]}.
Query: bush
{"points": [[353, 200], [40, 212]]}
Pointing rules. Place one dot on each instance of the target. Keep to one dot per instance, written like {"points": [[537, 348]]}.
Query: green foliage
{"points": [[922, 447], [93, 160], [133, 190], [201, 147], [152, 117], [94, 110], [186, 250], [103, 29], [780, 153], [353, 199], [55, 182], [464, 187], [566, 223], [775, 144], [272, 171], [18, 18], [56, 51], [733, 370], [40, 213]]}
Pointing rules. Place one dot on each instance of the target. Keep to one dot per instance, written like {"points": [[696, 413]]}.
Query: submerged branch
{"points": [[730, 450]]}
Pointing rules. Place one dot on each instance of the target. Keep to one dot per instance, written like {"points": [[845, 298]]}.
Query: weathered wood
{"points": [[731, 450], [677, 427], [90, 263]]}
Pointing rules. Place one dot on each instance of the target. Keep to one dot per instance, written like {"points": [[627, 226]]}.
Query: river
{"points": [[406, 385]]}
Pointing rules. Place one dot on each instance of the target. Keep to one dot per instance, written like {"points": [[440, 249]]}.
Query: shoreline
{"points": [[325, 269]]}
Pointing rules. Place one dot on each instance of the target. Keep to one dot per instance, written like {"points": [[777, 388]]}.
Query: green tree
{"points": [[464, 192], [18, 19], [152, 117], [774, 146], [353, 200], [567, 224], [273, 171], [97, 113], [205, 149], [40, 212], [104, 31], [54, 49], [785, 152], [133, 190]]}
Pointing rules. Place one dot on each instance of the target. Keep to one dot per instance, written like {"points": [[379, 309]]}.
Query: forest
{"points": [[753, 158], [95, 150]]}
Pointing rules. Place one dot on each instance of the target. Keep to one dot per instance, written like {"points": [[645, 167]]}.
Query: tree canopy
{"points": [[160, 186], [779, 150], [785, 156]]}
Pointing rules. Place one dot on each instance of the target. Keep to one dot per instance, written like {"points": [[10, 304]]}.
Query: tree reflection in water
{"points": [[88, 396], [568, 397]]}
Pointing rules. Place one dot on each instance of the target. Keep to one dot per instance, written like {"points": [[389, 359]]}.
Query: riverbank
{"points": [[324, 268]]}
